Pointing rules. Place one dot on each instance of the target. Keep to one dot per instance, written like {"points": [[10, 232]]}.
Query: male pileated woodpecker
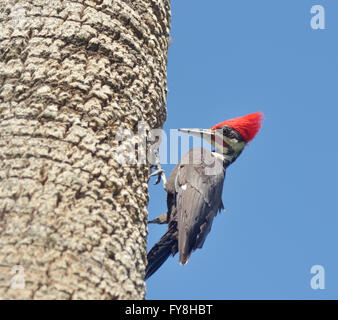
{"points": [[194, 188]]}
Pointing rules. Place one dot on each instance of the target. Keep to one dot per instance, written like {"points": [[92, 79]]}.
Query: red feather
{"points": [[247, 126]]}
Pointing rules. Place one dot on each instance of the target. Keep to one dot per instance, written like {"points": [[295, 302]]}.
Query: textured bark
{"points": [[72, 73]]}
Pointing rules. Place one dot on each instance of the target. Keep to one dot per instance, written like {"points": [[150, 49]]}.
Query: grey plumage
{"points": [[194, 191], [194, 188]]}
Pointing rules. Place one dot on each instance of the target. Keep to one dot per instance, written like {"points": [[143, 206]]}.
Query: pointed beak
{"points": [[205, 134]]}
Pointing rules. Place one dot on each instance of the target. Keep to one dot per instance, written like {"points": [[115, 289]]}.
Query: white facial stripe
{"points": [[222, 156]]}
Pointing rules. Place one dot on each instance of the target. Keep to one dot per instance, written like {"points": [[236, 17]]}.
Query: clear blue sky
{"points": [[227, 59]]}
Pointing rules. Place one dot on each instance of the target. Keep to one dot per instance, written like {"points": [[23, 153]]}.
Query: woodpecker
{"points": [[194, 188]]}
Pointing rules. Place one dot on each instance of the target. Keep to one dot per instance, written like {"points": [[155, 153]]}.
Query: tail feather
{"points": [[161, 251]]}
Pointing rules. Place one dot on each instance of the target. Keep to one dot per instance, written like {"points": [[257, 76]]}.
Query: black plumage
{"points": [[194, 188], [194, 196]]}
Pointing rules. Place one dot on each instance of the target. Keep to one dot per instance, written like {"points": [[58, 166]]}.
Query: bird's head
{"points": [[231, 136]]}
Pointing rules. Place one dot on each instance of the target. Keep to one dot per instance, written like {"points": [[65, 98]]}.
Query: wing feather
{"points": [[198, 199]]}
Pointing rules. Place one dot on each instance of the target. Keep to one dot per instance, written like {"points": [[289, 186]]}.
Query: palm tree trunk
{"points": [[73, 220]]}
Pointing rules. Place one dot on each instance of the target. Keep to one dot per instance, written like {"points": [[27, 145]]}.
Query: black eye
{"points": [[231, 133], [228, 132]]}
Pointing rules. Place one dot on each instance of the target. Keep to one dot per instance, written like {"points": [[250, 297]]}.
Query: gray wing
{"points": [[198, 189]]}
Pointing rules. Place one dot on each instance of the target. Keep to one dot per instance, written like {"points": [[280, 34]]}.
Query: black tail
{"points": [[160, 252]]}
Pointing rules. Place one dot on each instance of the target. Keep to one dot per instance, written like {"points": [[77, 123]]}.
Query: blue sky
{"points": [[227, 59]]}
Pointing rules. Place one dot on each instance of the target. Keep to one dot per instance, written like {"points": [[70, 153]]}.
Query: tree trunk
{"points": [[73, 220]]}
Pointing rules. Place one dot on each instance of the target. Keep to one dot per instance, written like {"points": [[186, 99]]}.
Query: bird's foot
{"points": [[162, 219], [157, 173], [160, 175]]}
